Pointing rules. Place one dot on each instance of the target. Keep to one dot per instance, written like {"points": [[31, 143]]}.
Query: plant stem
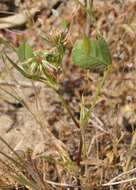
{"points": [[78, 158], [98, 91], [67, 107]]}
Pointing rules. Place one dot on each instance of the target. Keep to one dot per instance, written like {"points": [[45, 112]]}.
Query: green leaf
{"points": [[25, 52], [105, 52], [91, 54]]}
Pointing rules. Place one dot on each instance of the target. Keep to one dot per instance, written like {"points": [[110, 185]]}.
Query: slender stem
{"points": [[98, 91], [78, 159], [67, 107]]}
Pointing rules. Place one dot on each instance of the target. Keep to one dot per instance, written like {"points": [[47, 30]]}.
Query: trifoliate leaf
{"points": [[91, 54]]}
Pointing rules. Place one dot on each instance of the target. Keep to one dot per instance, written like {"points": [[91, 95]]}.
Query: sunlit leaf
{"points": [[91, 54]]}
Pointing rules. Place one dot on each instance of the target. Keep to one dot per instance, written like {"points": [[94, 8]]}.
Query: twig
{"points": [[97, 123], [17, 19], [60, 184], [113, 182], [119, 182], [20, 83]]}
